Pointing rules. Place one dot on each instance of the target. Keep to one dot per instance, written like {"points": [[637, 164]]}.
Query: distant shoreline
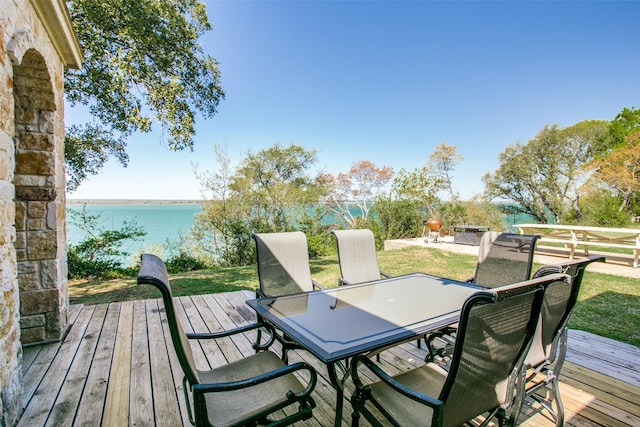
{"points": [[132, 202]]}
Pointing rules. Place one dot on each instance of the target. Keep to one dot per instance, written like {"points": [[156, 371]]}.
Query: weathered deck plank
{"points": [[165, 400], [65, 407], [95, 390], [43, 399], [612, 358], [116, 406], [141, 393], [117, 367]]}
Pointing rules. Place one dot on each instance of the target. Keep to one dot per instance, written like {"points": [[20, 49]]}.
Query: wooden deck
{"points": [[115, 369]]}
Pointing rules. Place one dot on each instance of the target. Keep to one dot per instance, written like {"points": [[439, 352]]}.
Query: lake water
{"points": [[161, 222]]}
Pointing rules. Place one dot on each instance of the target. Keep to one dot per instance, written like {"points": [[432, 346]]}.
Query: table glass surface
{"points": [[347, 320]]}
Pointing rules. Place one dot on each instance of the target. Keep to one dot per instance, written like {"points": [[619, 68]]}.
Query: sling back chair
{"points": [[357, 256], [283, 269], [243, 392], [548, 351], [283, 264], [486, 375], [503, 259], [358, 260]]}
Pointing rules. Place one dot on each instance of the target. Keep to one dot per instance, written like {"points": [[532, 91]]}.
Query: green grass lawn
{"points": [[608, 305]]}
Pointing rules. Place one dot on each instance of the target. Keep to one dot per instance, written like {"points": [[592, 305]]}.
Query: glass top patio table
{"points": [[338, 323]]}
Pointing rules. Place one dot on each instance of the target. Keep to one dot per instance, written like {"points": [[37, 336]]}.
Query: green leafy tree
{"points": [[414, 195], [271, 190], [421, 186], [143, 64], [100, 253], [442, 163], [276, 184], [223, 227], [543, 176], [394, 219], [619, 170], [601, 208], [625, 122]]}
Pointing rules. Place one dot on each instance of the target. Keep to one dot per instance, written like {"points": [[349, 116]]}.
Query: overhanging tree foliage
{"points": [[142, 64]]}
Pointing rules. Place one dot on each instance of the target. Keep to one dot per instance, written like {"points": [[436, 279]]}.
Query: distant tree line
{"points": [[273, 190], [588, 173], [143, 64]]}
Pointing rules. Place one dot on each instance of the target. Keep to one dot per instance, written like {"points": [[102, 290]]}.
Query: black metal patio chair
{"points": [[486, 376], [283, 269], [503, 259], [548, 351], [242, 392], [357, 256]]}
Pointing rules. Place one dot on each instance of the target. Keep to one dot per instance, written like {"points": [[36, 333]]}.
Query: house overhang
{"points": [[55, 17]]}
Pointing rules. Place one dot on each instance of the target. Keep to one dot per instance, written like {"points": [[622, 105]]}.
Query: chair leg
{"points": [[258, 338], [355, 418], [356, 401], [285, 354], [555, 392]]}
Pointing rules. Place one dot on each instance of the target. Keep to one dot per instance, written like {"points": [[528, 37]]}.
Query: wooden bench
{"points": [[573, 236]]}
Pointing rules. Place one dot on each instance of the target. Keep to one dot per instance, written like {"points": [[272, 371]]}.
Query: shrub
{"points": [[99, 254], [182, 262], [602, 209]]}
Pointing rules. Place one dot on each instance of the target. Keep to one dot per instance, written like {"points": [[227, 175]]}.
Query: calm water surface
{"points": [[161, 222]]}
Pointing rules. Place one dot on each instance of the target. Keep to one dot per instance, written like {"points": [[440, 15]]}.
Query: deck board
{"points": [[140, 397], [94, 392], [117, 367], [165, 399], [116, 406], [44, 397], [65, 407]]}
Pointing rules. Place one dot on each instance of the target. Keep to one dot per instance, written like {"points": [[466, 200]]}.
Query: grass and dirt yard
{"points": [[608, 305]]}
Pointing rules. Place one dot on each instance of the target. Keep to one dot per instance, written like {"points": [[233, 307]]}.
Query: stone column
{"points": [[39, 198]]}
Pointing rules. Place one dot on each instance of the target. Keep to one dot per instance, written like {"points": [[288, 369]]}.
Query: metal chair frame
{"points": [[272, 370], [455, 403]]}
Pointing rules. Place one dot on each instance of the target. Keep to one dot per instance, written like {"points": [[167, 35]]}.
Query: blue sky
{"points": [[388, 81]]}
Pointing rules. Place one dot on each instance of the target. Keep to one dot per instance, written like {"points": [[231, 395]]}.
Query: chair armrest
{"points": [[425, 399], [221, 334], [262, 378], [316, 285], [343, 282]]}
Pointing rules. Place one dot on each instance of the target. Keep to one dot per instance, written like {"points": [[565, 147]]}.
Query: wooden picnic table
{"points": [[572, 236]]}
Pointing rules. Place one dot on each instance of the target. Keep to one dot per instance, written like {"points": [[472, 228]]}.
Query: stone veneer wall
{"points": [[39, 203], [33, 288]]}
